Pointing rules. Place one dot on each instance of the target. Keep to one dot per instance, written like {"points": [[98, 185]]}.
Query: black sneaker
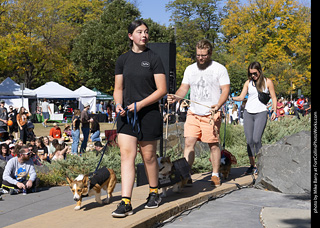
{"points": [[153, 201], [249, 170], [123, 210], [13, 191]]}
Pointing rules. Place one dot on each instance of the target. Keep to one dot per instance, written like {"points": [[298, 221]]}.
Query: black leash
{"points": [[133, 121]]}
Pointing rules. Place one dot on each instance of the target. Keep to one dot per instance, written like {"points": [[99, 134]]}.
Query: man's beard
{"points": [[205, 64], [25, 159]]}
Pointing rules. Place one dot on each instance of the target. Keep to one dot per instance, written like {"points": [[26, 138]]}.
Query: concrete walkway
{"points": [[95, 215]]}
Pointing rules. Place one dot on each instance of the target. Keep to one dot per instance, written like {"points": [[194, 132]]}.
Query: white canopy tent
{"points": [[11, 93], [86, 96], [53, 90], [9, 88]]}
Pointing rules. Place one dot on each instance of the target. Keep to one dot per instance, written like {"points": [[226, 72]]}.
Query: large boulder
{"points": [[286, 165]]}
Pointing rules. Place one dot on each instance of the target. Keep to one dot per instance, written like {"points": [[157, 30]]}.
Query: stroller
{"points": [[30, 132]]}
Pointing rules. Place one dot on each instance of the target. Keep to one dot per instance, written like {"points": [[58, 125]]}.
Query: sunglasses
{"points": [[29, 153], [253, 74]]}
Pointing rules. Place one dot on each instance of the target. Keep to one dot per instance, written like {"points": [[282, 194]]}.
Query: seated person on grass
{"points": [[55, 133], [17, 171]]}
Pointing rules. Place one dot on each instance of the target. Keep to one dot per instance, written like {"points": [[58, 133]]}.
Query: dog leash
{"points": [[134, 121], [211, 121], [167, 125]]}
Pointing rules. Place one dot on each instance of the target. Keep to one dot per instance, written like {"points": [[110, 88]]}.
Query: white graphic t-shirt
{"points": [[205, 85]]}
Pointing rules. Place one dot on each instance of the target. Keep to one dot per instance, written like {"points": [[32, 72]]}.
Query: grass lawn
{"points": [[39, 130]]}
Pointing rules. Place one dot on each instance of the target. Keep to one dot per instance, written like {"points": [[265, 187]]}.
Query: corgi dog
{"points": [[168, 175], [92, 184]]}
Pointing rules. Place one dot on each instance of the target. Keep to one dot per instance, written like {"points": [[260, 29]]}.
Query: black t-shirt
{"points": [[138, 71], [77, 123]]}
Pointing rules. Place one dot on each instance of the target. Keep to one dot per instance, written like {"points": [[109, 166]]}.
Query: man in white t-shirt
{"points": [[209, 85], [45, 108]]}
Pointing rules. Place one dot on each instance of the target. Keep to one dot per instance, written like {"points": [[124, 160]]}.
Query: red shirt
{"points": [[55, 133]]}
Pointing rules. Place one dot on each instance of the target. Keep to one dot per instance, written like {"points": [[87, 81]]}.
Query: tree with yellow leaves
{"points": [[36, 38], [276, 33]]}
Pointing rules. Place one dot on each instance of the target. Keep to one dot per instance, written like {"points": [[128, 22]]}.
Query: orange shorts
{"points": [[199, 127]]}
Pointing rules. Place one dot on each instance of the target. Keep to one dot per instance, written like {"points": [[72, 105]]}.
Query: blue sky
{"points": [[154, 9]]}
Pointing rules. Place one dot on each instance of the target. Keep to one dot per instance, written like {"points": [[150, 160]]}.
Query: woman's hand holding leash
{"points": [[130, 108], [120, 109]]}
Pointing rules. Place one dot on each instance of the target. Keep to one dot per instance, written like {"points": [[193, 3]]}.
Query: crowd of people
{"points": [[42, 149], [234, 110]]}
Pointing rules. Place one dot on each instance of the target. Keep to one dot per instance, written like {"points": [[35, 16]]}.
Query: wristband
{"points": [[118, 104]]}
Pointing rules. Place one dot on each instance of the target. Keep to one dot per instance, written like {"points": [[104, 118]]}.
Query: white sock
{"points": [[215, 174]]}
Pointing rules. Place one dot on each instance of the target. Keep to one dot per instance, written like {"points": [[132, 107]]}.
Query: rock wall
{"points": [[286, 165]]}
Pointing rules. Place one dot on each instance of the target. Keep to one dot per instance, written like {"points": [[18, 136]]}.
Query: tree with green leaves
{"points": [[194, 20], [102, 41]]}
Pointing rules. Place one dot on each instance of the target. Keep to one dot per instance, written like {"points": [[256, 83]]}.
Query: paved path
{"points": [[53, 207], [249, 208]]}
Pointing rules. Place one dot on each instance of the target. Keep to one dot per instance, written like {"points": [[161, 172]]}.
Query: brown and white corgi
{"points": [[91, 184]]}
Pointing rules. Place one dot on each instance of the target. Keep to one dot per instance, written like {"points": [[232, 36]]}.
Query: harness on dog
{"points": [[180, 170], [99, 177]]}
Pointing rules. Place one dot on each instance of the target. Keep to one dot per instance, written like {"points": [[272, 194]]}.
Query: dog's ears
{"points": [[85, 179], [69, 180]]}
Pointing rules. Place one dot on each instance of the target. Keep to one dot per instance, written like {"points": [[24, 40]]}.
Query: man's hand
{"points": [[171, 98], [21, 185], [215, 108], [29, 184]]}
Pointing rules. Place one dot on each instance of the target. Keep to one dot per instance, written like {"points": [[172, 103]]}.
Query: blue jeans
{"points": [[95, 136], [75, 134], [85, 132]]}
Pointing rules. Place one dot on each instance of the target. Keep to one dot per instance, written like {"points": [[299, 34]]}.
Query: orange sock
{"points": [[126, 200], [155, 190]]}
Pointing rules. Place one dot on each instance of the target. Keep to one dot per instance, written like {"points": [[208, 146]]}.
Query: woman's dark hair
{"points": [[4, 145], [260, 84], [133, 26]]}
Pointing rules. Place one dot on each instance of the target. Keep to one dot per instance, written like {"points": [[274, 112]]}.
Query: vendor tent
{"points": [[102, 95], [54, 90], [86, 96], [9, 88], [11, 93]]}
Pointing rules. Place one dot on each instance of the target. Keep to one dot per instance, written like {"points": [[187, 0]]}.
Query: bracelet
{"points": [[118, 104]]}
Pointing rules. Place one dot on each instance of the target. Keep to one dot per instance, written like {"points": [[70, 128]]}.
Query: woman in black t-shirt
{"points": [[140, 83]]}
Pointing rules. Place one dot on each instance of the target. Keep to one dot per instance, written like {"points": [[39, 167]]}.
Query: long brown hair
{"points": [[260, 83], [76, 113]]}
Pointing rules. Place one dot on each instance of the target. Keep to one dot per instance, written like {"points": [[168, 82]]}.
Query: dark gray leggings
{"points": [[254, 125]]}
